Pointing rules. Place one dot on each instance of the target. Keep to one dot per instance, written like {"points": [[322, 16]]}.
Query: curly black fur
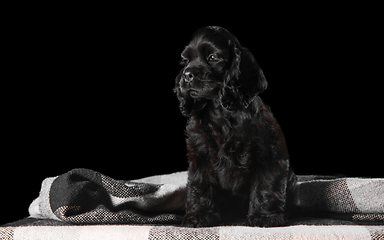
{"points": [[238, 159]]}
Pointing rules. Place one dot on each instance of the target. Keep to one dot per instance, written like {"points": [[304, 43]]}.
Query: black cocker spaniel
{"points": [[238, 160]]}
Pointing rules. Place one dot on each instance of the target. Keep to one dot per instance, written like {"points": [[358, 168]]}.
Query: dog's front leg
{"points": [[268, 198], [201, 207]]}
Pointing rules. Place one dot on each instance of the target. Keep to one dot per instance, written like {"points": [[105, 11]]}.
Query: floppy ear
{"points": [[243, 80], [185, 101]]}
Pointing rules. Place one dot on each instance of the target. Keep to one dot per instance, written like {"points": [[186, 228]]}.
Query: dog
{"points": [[238, 160]]}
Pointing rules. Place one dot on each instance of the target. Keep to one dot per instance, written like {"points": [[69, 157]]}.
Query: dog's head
{"points": [[217, 67]]}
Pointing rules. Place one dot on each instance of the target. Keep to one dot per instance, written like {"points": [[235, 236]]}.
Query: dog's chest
{"points": [[232, 179], [224, 144], [230, 158]]}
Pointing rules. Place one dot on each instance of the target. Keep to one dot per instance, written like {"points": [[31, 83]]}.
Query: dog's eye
{"points": [[212, 58]]}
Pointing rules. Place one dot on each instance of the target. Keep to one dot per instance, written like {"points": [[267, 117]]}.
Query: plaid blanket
{"points": [[85, 197]]}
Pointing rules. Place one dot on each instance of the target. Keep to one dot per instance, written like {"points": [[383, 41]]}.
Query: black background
{"points": [[92, 88]]}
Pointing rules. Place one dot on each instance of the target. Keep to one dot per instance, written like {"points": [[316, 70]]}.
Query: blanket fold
{"points": [[83, 196]]}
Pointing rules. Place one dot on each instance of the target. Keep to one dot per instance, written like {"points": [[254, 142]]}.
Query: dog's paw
{"points": [[274, 220], [200, 220]]}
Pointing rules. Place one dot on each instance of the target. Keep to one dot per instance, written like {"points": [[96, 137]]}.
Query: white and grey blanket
{"points": [[83, 203]]}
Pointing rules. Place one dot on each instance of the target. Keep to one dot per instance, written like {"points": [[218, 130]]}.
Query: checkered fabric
{"points": [[85, 204], [94, 232], [83, 196], [343, 198]]}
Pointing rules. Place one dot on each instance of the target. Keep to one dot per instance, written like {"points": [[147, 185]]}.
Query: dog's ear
{"points": [[185, 101], [242, 81]]}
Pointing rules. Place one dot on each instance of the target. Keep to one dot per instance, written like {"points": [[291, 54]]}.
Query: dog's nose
{"points": [[188, 77]]}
